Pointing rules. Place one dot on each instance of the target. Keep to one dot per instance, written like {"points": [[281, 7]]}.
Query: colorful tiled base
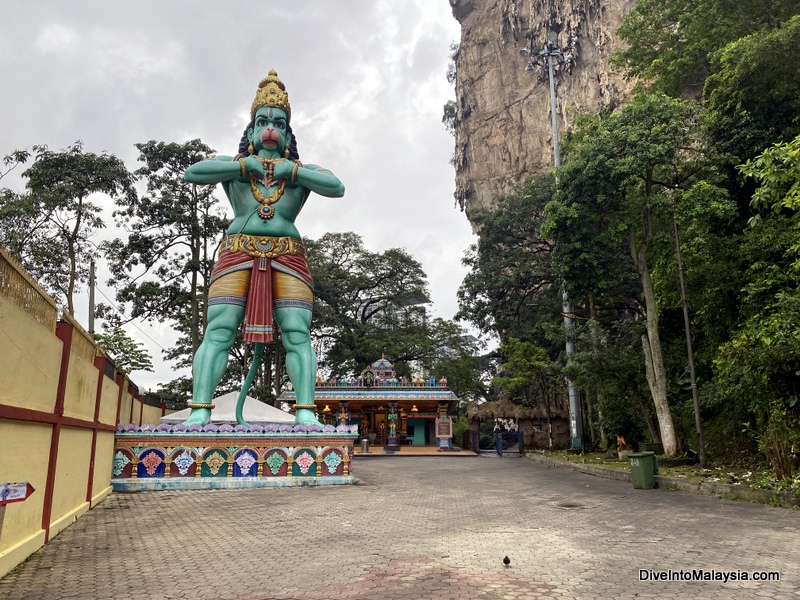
{"points": [[145, 460]]}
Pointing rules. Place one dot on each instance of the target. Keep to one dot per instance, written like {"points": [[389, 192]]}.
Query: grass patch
{"points": [[751, 473]]}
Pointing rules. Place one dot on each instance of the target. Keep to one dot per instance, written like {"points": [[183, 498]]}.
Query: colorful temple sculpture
{"points": [[389, 411]]}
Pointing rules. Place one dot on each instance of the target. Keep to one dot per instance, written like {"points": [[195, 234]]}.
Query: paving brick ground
{"points": [[415, 528]]}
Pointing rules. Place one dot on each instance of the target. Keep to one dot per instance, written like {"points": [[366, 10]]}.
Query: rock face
{"points": [[503, 126]]}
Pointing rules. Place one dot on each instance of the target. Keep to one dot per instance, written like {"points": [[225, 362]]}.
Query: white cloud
{"points": [[55, 39]]}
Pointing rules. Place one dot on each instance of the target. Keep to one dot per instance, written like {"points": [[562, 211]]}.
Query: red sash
{"points": [[259, 317]]}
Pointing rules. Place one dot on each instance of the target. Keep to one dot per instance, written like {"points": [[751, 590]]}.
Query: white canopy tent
{"points": [[225, 412]]}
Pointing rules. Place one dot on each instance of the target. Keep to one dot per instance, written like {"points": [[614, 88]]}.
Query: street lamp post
{"points": [[544, 58]]}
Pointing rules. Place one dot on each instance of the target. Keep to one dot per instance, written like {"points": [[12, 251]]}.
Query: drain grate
{"points": [[569, 505]]}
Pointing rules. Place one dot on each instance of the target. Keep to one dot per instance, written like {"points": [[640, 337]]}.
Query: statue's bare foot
{"points": [[199, 416], [304, 416]]}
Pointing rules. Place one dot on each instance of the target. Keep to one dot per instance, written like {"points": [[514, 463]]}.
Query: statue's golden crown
{"points": [[272, 93]]}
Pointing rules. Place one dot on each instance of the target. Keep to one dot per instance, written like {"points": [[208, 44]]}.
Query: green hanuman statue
{"points": [[261, 275]]}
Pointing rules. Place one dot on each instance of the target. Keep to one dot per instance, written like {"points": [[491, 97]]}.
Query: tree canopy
{"points": [[161, 270], [369, 304], [50, 227]]}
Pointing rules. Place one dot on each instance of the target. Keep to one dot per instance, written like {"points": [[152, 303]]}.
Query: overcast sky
{"points": [[366, 81]]}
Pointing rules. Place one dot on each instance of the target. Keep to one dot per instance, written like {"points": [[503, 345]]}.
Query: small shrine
{"points": [[389, 411]]}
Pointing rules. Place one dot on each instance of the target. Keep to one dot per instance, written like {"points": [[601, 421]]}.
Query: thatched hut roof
{"points": [[505, 409]]}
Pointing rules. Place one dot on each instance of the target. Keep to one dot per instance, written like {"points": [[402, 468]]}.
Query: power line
{"points": [[122, 314]]}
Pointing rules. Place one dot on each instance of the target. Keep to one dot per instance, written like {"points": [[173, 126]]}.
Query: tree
{"points": [[128, 354], [15, 159], [50, 228], [373, 303], [607, 366], [467, 373], [757, 369], [628, 174], [670, 44], [18, 215], [162, 270], [531, 378], [509, 289], [757, 83], [753, 99], [450, 110]]}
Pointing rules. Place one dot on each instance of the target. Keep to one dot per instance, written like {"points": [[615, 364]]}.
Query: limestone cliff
{"points": [[502, 127]]}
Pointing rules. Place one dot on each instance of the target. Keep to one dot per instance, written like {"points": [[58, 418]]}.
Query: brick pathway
{"points": [[415, 528]]}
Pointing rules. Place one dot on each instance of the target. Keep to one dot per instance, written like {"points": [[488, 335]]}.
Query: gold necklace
{"points": [[265, 211]]}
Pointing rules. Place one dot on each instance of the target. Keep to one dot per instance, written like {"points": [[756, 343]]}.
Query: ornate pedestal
{"points": [[176, 457]]}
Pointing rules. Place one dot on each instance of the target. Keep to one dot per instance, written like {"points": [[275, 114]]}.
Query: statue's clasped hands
{"points": [[284, 169], [255, 167], [281, 168]]}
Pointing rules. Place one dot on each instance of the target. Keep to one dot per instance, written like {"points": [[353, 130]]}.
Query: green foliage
{"points": [[450, 109], [161, 270], [461, 432], [757, 369], [449, 116], [466, 373], [670, 43], [667, 44], [625, 175], [15, 159], [528, 376], [509, 288], [50, 228], [777, 172], [373, 303], [754, 94], [128, 354]]}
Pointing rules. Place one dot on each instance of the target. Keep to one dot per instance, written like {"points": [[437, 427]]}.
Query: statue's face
{"points": [[269, 130]]}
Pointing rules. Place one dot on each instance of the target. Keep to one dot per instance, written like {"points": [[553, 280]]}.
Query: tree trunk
{"points": [[589, 421], [72, 243], [549, 432], [651, 344], [648, 420], [73, 267], [603, 436]]}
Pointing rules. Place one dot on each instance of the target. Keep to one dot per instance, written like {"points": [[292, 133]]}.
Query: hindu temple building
{"points": [[389, 411]]}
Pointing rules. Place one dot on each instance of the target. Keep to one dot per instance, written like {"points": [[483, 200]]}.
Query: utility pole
{"points": [[565, 58], [91, 296]]}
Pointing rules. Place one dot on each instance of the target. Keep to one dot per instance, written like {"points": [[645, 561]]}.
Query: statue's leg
{"points": [[211, 360], [301, 360]]}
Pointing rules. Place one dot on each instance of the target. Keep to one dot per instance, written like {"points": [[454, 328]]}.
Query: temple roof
{"points": [[377, 385], [381, 368], [379, 394]]}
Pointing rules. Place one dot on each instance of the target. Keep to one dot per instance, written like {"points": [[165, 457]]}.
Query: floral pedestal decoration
{"points": [[179, 457]]}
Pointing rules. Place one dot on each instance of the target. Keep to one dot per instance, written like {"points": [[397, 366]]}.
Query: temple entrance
{"points": [[391, 413]]}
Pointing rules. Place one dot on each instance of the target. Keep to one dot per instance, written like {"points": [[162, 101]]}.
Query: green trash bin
{"points": [[644, 468]]}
